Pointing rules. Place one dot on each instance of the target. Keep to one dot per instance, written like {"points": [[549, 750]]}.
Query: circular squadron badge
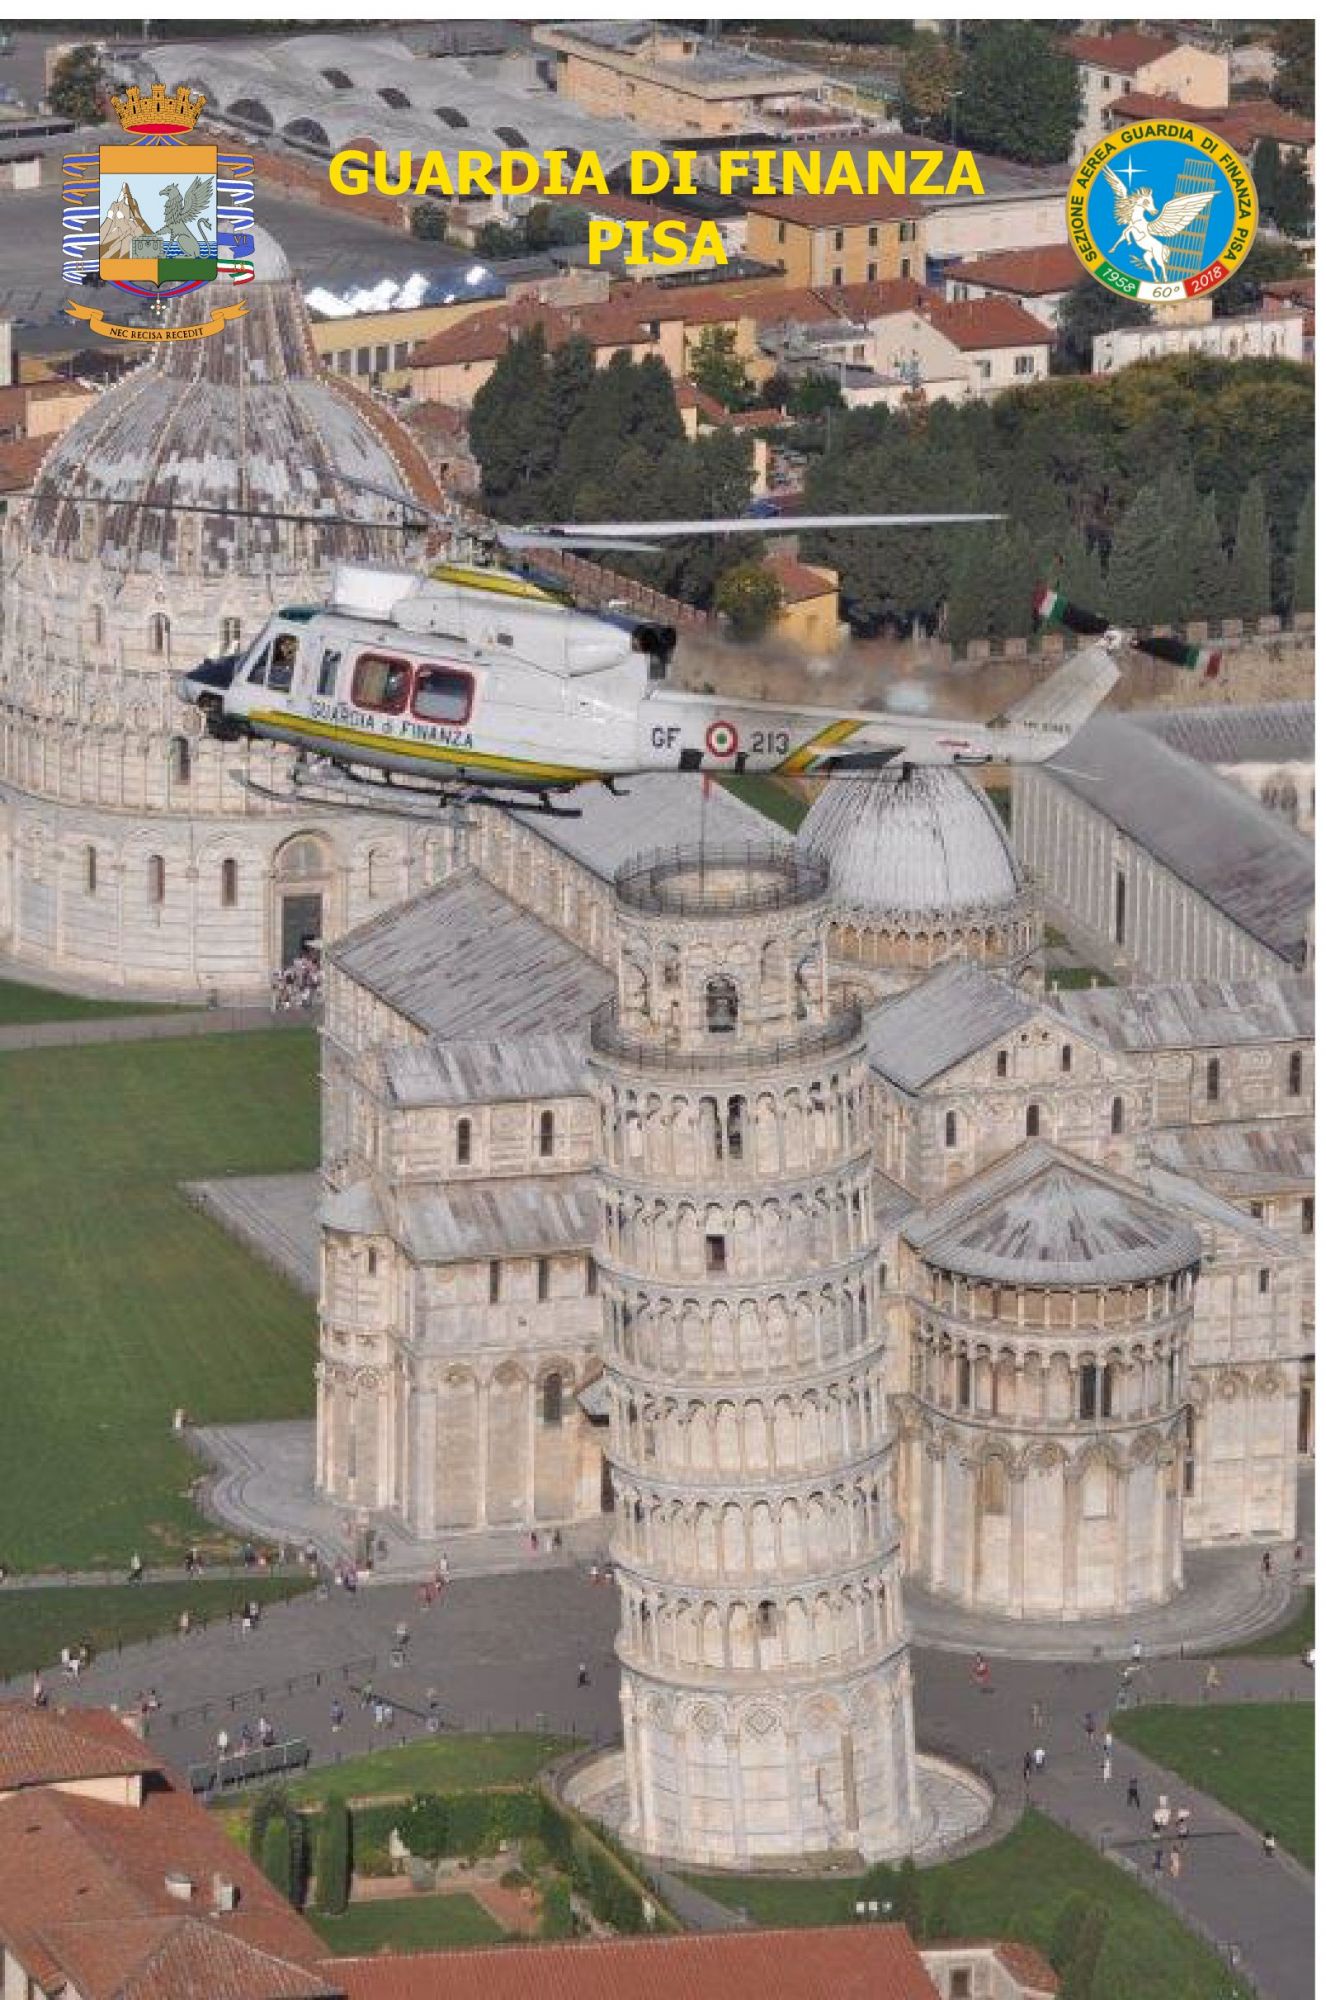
{"points": [[1162, 210]]}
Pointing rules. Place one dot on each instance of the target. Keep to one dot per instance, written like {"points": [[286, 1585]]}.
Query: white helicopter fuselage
{"points": [[480, 678]]}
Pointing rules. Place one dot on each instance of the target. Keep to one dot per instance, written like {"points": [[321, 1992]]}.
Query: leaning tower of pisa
{"points": [[766, 1683]]}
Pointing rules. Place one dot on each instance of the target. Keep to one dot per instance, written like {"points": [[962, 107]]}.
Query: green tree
{"points": [[813, 394], [428, 219], [1208, 566], [1020, 95], [1073, 1912], [1266, 176], [908, 1901], [931, 74], [718, 369], [1090, 308], [1149, 554], [1295, 48], [278, 1859], [1079, 1978], [1302, 569], [511, 426], [425, 1826], [939, 1918], [538, 226], [1294, 207], [1250, 558], [750, 598], [76, 86], [555, 1920], [332, 1865]]}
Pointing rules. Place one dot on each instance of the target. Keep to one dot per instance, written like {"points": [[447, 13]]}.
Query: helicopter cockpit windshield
{"points": [[273, 664]]}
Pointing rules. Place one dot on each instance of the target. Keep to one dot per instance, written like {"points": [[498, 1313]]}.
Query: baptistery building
{"points": [[201, 492]]}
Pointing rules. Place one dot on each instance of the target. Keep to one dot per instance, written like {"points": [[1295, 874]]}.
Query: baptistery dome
{"points": [[208, 487], [921, 871]]}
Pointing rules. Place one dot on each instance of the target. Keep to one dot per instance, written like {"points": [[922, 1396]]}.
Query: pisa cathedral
{"points": [[757, 1196]]}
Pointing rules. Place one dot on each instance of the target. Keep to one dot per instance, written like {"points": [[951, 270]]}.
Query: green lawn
{"points": [[21, 1004], [408, 1923], [35, 1624], [1016, 1889], [434, 1763], [1255, 1757], [770, 796], [119, 1301], [1288, 1640]]}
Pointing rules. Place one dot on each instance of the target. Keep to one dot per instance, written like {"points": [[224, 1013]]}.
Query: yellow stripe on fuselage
{"points": [[837, 732], [424, 753]]}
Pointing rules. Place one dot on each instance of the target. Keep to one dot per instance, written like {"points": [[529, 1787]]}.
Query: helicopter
{"points": [[480, 683]]}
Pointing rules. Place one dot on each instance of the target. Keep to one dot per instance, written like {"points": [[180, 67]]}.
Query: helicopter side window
{"points": [[381, 682], [282, 670], [441, 694], [329, 669], [257, 673]]}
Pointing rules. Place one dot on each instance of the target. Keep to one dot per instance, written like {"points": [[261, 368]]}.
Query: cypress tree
{"points": [[333, 1858], [1303, 579], [1149, 554], [1208, 567], [1250, 562], [908, 1904], [278, 1861]]}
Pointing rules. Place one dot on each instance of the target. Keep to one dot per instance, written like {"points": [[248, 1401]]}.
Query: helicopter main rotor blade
{"points": [[519, 539], [611, 533]]}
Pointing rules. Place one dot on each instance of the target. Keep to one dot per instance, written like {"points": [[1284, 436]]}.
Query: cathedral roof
{"points": [[247, 419], [1041, 1217], [1266, 732], [959, 1009], [1277, 1156], [498, 1218], [927, 846], [656, 809], [1192, 1013], [465, 962], [481, 1072]]}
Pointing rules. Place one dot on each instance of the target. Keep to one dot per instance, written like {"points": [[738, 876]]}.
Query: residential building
{"points": [[1242, 124], [809, 617], [1038, 280], [839, 239], [672, 79], [1109, 66]]}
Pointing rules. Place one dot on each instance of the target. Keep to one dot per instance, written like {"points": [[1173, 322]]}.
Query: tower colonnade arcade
{"points": [[766, 1687]]}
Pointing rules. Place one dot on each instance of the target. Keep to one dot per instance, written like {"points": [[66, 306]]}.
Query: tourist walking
{"points": [[1038, 1756], [1175, 1863], [135, 1568], [1134, 1794], [1268, 1845], [981, 1673], [582, 1676]]}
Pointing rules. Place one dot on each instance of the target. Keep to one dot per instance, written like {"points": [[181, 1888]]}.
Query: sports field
{"points": [[119, 1302]]}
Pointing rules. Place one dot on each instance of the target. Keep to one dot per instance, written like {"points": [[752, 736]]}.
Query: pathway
{"points": [[150, 1027]]}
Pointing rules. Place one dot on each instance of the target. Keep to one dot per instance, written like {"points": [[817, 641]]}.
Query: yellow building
{"points": [[809, 617], [839, 239], [376, 347], [671, 80]]}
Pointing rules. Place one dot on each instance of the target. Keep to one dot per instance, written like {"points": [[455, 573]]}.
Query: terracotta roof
{"points": [[19, 462], [485, 335], [78, 1873], [43, 1746], [829, 211], [1300, 291], [1026, 1964], [1054, 267], [994, 322], [755, 420], [875, 1962], [1241, 124], [798, 581], [1126, 53]]}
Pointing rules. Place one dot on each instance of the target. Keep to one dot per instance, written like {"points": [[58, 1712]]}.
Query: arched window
{"points": [[1116, 1116], [181, 759], [547, 1134], [229, 884], [736, 1127], [1033, 1121], [97, 625], [1086, 1390], [1066, 1057], [1213, 1080], [544, 1280], [158, 634], [950, 1128], [1001, 1063], [964, 1382], [90, 870], [720, 1005], [552, 1399], [231, 631], [1296, 1073], [766, 1617], [464, 1138], [156, 879], [494, 1282], [993, 1497], [372, 1262]]}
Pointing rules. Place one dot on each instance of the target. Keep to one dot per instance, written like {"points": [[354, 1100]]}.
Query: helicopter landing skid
{"points": [[336, 786]]}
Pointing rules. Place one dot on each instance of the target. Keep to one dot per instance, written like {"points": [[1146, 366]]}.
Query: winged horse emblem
{"points": [[1149, 240]]}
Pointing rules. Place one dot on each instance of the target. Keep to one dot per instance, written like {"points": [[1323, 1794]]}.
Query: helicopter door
{"points": [[329, 667]]}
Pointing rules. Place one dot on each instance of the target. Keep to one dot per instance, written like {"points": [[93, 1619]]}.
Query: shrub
{"points": [[425, 1826], [513, 1878], [555, 1919], [333, 1858], [907, 1904], [278, 1860]]}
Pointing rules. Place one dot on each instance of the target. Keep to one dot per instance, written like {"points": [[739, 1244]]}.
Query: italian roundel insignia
{"points": [[1162, 210], [720, 739]]}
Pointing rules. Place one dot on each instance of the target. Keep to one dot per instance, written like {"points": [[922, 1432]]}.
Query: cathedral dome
{"points": [[921, 870], [241, 419]]}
